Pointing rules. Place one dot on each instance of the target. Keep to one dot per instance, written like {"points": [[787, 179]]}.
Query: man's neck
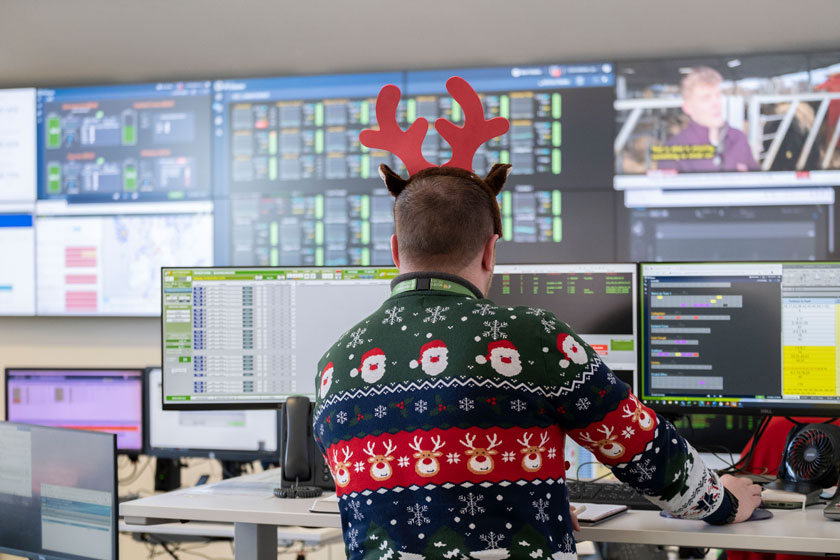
{"points": [[713, 132]]}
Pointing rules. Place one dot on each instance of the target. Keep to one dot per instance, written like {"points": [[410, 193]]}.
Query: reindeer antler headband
{"points": [[464, 140]]}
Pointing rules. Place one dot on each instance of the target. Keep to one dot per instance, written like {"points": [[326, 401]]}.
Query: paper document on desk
{"points": [[595, 513], [238, 488], [328, 504]]}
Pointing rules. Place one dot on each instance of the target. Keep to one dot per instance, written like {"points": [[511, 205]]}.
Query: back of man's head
{"points": [[443, 220]]}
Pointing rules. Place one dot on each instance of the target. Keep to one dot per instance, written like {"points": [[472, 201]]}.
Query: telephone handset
{"points": [[304, 472]]}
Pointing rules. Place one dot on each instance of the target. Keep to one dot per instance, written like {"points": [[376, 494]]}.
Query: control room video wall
{"points": [[660, 160]]}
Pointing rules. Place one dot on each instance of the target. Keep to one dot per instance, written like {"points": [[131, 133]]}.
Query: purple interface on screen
{"points": [[104, 401]]}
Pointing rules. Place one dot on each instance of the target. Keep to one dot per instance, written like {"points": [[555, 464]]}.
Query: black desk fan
{"points": [[810, 463]]}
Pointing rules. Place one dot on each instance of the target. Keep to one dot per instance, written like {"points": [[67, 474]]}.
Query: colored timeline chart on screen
{"points": [[250, 337], [560, 116], [744, 336], [148, 142], [302, 190]]}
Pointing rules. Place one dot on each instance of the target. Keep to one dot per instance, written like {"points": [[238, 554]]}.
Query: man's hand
{"points": [[748, 494], [575, 523]]}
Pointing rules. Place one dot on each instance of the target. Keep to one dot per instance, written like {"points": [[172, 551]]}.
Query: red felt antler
{"points": [[466, 139], [407, 144]]}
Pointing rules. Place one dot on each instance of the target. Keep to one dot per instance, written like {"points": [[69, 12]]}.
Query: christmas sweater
{"points": [[443, 419]]}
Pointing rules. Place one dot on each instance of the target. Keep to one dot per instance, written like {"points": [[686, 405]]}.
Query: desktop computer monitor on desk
{"points": [[58, 493], [248, 338], [233, 437], [227, 435], [750, 338], [597, 300], [251, 337], [102, 400]]}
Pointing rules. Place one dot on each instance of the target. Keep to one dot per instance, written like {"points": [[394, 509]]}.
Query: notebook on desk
{"points": [[325, 504], [596, 513]]}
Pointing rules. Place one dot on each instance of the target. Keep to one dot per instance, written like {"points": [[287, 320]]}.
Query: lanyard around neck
{"points": [[417, 284]]}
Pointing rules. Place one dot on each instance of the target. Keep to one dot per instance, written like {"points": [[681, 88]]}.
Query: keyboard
{"points": [[606, 493]]}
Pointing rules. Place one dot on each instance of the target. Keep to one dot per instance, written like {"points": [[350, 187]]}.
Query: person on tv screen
{"points": [[707, 143]]}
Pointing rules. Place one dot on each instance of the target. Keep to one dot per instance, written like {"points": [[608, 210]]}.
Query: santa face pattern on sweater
{"points": [[434, 357], [503, 357], [373, 366], [445, 432], [326, 380]]}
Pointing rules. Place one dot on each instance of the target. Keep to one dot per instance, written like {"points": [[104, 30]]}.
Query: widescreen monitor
{"points": [[101, 400], [296, 188], [557, 195], [250, 337], [598, 301], [124, 143], [227, 435], [58, 493], [752, 338], [715, 122]]}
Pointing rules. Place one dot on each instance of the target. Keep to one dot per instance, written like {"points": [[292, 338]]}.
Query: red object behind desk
{"points": [[768, 455]]}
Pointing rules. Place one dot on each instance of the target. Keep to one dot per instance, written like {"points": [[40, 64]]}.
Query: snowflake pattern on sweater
{"points": [[445, 436]]}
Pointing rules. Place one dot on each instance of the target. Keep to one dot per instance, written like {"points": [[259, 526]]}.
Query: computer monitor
{"points": [[125, 143], [299, 188], [597, 300], [752, 338], [227, 435], [250, 337], [101, 400], [776, 119], [58, 493], [560, 114]]}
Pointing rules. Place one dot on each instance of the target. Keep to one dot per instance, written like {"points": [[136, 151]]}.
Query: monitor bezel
{"points": [[143, 420], [115, 503], [773, 407], [240, 455], [267, 404]]}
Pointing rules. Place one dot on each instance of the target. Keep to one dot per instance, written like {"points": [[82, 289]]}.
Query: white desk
{"points": [[245, 501], [248, 503], [306, 535]]}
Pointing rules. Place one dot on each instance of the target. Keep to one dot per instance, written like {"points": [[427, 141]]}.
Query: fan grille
{"points": [[810, 455]]}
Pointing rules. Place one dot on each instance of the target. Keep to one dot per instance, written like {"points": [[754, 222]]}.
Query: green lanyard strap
{"points": [[431, 284]]}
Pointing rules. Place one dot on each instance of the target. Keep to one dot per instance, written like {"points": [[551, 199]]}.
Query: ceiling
{"points": [[62, 42]]}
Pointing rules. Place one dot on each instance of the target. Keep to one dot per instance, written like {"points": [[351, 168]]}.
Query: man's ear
{"points": [[497, 177], [395, 250], [394, 182], [488, 257]]}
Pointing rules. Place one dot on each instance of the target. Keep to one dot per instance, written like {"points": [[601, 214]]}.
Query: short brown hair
{"points": [[443, 220]]}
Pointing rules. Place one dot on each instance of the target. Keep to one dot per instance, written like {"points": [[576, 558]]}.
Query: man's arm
{"points": [[640, 447]]}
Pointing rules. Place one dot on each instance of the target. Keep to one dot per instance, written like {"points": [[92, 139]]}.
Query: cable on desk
{"points": [[743, 462], [577, 474]]}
